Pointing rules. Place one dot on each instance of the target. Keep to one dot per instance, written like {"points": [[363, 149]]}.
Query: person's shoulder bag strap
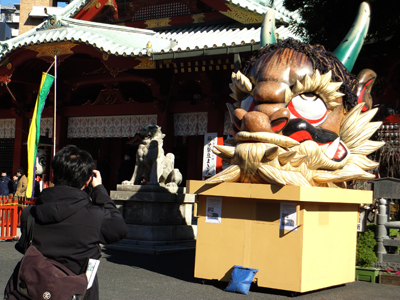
{"points": [[26, 238]]}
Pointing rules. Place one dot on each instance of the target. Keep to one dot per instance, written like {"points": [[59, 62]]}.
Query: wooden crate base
{"points": [[389, 279]]}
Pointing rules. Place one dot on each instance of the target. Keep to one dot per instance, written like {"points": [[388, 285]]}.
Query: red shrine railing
{"points": [[10, 215], [8, 218]]}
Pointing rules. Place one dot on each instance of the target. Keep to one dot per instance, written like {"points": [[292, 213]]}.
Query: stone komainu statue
{"points": [[151, 163]]}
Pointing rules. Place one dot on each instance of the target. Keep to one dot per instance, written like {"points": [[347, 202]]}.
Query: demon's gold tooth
{"points": [[271, 153], [228, 151], [284, 158], [266, 137], [216, 152], [330, 151], [221, 155], [298, 160], [230, 174]]}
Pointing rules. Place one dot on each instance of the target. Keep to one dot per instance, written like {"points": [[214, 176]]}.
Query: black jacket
{"points": [[13, 186], [69, 227], [5, 186]]}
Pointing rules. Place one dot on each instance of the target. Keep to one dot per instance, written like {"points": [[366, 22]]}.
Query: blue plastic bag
{"points": [[241, 280]]}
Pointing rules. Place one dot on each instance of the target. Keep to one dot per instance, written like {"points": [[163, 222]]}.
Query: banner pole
{"points": [[55, 106]]}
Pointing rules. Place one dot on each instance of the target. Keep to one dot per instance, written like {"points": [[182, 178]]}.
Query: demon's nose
{"points": [[255, 121]]}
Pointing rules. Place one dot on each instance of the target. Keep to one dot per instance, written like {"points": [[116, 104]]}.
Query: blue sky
{"points": [[11, 2]]}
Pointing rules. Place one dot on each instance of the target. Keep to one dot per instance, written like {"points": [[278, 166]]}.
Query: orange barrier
{"points": [[22, 203], [8, 218]]}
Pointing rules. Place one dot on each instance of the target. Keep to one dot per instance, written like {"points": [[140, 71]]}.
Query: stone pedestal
{"points": [[159, 219]]}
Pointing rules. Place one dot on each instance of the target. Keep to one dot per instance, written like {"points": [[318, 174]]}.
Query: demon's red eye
{"points": [[308, 107]]}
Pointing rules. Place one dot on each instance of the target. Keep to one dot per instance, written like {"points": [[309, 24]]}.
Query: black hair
{"points": [[72, 167], [321, 60], [21, 170]]}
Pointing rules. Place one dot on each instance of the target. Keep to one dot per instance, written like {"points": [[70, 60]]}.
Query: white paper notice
{"points": [[288, 216], [91, 271], [214, 207], [209, 158]]}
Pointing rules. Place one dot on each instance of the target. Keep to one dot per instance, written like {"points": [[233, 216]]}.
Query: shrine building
{"points": [[124, 64]]}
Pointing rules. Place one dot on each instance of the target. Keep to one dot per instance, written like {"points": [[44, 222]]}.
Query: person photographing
{"points": [[69, 224]]}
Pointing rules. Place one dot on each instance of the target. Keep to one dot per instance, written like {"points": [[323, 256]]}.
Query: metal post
{"points": [[236, 62], [381, 231]]}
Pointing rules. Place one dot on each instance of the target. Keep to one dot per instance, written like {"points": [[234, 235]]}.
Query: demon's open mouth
{"points": [[301, 130]]}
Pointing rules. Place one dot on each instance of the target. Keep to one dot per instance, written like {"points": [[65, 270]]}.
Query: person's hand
{"points": [[96, 178]]}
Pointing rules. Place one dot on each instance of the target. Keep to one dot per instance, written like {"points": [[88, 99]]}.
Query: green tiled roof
{"points": [[119, 40], [262, 6], [112, 39]]}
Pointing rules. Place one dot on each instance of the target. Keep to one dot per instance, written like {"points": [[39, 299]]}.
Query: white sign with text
{"points": [[214, 209], [209, 158]]}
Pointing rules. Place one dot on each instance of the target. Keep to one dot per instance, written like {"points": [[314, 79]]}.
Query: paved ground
{"points": [[126, 276]]}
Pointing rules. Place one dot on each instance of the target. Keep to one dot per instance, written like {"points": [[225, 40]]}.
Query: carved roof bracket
{"points": [[47, 52], [52, 23]]}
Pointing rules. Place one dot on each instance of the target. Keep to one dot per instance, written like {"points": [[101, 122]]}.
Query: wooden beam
{"points": [[92, 9], [178, 20]]}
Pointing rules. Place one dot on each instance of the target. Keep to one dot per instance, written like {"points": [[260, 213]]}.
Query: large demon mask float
{"points": [[301, 118]]}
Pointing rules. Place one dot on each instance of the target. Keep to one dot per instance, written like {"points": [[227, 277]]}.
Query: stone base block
{"points": [[154, 205], [159, 219], [153, 247], [156, 213], [161, 233]]}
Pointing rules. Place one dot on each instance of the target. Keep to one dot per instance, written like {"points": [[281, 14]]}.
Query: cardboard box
{"points": [[300, 238]]}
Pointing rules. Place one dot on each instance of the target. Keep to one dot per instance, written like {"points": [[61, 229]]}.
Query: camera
{"points": [[89, 188]]}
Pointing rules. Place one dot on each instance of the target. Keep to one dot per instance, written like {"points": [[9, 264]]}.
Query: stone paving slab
{"points": [[126, 276]]}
